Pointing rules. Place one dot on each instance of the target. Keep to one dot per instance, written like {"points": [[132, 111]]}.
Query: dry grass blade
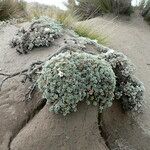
{"points": [[12, 9], [31, 72], [86, 31]]}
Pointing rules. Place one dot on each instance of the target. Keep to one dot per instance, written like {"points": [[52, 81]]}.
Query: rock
{"points": [[48, 131], [123, 131], [79, 130]]}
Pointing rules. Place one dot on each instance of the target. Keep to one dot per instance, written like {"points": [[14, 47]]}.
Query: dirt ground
{"points": [[132, 37], [25, 126], [29, 125]]}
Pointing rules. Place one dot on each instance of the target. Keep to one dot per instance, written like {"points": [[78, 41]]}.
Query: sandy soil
{"points": [[132, 37], [25, 126], [30, 126]]}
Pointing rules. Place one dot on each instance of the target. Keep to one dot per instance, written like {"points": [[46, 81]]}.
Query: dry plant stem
{"points": [[32, 71], [29, 94], [8, 76]]}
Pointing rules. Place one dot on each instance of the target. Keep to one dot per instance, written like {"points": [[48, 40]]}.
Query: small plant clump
{"points": [[129, 90], [132, 94], [41, 32], [72, 77]]}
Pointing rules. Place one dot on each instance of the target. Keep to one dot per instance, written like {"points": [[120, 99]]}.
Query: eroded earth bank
{"points": [[30, 125]]}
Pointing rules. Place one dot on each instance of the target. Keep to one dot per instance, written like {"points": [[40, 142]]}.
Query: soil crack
{"points": [[26, 121], [102, 132]]}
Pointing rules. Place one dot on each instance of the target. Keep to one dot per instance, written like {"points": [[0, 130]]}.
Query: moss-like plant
{"points": [[129, 90], [71, 77], [81, 75], [132, 94], [41, 32]]}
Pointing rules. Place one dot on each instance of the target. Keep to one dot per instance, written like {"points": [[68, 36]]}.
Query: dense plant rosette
{"points": [[129, 89], [71, 77]]}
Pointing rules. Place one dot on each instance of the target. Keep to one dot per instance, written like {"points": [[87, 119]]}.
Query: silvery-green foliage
{"points": [[72, 77], [120, 63], [82, 42], [123, 69], [129, 90], [41, 32], [132, 94]]}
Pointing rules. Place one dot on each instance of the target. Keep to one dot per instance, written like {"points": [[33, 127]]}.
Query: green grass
{"points": [[66, 18], [104, 5], [86, 31]]}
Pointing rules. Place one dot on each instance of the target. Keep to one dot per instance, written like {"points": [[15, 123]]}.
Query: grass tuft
{"points": [[12, 9], [92, 8], [86, 31], [145, 6]]}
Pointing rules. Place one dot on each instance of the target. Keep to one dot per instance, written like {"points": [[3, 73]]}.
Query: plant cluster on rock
{"points": [[128, 89], [41, 32], [72, 77]]}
